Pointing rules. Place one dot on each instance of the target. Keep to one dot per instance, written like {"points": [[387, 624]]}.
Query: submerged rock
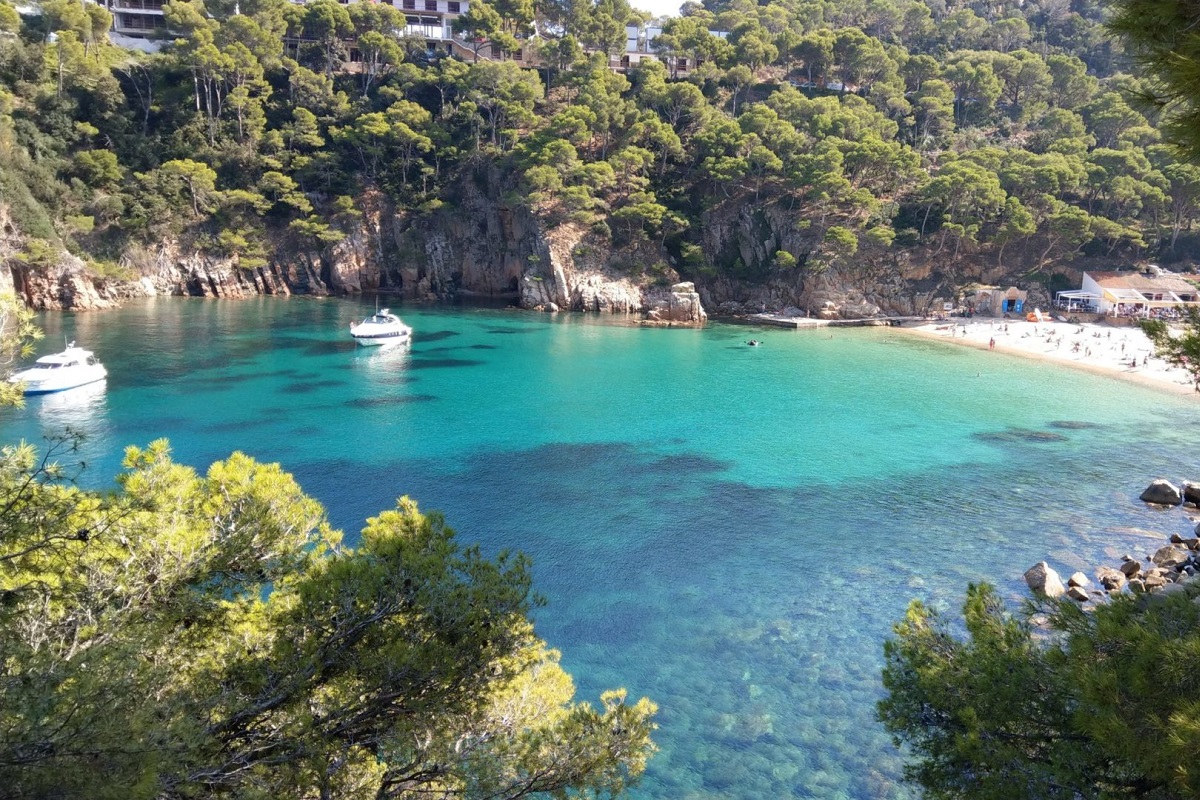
{"points": [[1044, 581], [1162, 492]]}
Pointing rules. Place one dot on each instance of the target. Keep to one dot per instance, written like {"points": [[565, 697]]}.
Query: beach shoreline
{"points": [[1089, 346]]}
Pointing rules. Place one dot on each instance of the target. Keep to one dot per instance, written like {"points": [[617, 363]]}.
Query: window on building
{"points": [[410, 5], [454, 7], [431, 5]]}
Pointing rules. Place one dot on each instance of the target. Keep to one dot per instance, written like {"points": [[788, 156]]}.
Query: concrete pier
{"points": [[780, 321]]}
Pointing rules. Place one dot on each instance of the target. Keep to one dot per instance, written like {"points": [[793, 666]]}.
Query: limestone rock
{"points": [[680, 304], [1162, 492], [1078, 579], [1191, 492], [1111, 579], [1078, 593], [1044, 581], [1130, 568], [1154, 582], [1170, 556]]}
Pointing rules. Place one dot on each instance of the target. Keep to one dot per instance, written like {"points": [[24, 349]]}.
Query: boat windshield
{"points": [[47, 365]]}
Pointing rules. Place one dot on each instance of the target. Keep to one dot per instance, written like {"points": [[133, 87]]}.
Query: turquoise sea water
{"points": [[728, 530]]}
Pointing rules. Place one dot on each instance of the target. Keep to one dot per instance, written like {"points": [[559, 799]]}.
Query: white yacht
{"points": [[382, 327], [61, 371]]}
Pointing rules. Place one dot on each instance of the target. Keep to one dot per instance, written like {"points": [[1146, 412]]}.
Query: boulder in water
{"points": [[1171, 556], [1111, 579], [1162, 492], [1044, 581], [1191, 492], [1078, 579]]}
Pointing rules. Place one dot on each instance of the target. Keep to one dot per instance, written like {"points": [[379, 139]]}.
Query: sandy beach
{"points": [[1122, 352]]}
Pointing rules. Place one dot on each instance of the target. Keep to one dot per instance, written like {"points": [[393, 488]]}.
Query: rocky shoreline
{"points": [[1168, 570]]}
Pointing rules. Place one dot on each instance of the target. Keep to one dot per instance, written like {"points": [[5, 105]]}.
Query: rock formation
{"points": [[1044, 581], [1162, 492], [1169, 568]]}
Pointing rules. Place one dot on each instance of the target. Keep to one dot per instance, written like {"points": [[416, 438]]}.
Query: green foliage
{"points": [[1098, 704], [17, 336], [1159, 34], [980, 132], [1180, 347], [267, 657]]}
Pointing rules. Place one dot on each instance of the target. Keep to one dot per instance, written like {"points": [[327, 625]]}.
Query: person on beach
{"points": [[992, 343]]}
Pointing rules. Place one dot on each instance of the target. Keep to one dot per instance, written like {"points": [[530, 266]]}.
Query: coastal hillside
{"points": [[865, 157]]}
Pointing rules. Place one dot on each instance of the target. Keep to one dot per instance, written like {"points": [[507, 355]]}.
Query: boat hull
{"points": [[53, 386], [376, 339]]}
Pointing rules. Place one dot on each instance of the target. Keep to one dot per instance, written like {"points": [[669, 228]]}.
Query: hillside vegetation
{"points": [[854, 135]]}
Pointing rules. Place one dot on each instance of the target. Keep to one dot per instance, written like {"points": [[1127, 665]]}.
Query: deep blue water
{"points": [[728, 530]]}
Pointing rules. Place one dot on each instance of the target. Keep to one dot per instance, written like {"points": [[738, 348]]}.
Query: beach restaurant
{"points": [[1130, 294]]}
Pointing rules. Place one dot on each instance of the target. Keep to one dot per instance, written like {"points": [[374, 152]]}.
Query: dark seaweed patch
{"points": [[304, 387], [390, 400], [1071, 425], [327, 348], [688, 464], [435, 336], [231, 426], [439, 363], [506, 331], [1020, 435]]}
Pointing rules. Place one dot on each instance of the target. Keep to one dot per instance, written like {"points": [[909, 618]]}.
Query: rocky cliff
{"points": [[483, 243], [476, 245]]}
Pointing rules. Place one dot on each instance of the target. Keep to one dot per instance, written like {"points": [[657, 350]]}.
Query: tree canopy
{"points": [[1095, 704], [1180, 347], [254, 132], [211, 635], [1161, 37]]}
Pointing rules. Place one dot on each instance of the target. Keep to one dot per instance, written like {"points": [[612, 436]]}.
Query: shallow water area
{"points": [[730, 530]]}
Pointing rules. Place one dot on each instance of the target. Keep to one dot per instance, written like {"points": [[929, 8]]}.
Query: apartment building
{"points": [[142, 20], [140, 24]]}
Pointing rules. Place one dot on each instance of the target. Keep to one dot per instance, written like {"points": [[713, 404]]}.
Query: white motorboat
{"points": [[61, 371], [382, 327]]}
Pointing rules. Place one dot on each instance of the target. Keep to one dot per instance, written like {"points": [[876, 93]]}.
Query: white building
{"points": [[143, 19], [1134, 294]]}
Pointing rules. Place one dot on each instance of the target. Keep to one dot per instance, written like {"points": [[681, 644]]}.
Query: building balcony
{"points": [[138, 23], [440, 7], [145, 6], [428, 31]]}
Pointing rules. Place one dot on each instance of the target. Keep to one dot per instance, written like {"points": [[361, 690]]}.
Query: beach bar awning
{"points": [[1124, 295], [1077, 297]]}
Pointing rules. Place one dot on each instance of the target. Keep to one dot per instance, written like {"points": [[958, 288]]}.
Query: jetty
{"points": [[782, 321]]}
